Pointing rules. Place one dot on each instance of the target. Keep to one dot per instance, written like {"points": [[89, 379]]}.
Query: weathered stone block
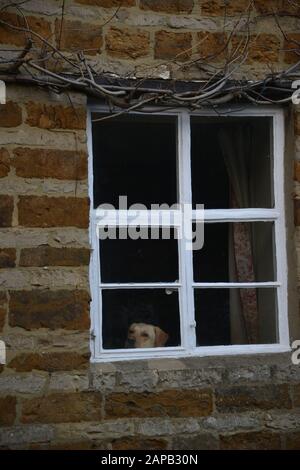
{"points": [[62, 408], [296, 392], [297, 212], [127, 43], [22, 383], [174, 403], [169, 45], [63, 382], [52, 256], [7, 410], [51, 362], [108, 3], [251, 398], [7, 258], [48, 116], [18, 37], [211, 45], [48, 163], [203, 441], [4, 162], [280, 7], [78, 36], [293, 441], [49, 309], [10, 114], [252, 440], [35, 211], [217, 7], [138, 443], [176, 6], [6, 210], [262, 48], [20, 436]]}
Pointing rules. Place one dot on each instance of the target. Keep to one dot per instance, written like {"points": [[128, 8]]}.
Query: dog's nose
{"points": [[130, 343]]}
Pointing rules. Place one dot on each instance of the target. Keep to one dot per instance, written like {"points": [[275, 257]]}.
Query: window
{"points": [[151, 295]]}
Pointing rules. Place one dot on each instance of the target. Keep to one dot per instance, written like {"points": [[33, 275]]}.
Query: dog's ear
{"points": [[160, 337]]}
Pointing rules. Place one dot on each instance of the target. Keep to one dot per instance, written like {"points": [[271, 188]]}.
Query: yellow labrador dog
{"points": [[143, 335]]}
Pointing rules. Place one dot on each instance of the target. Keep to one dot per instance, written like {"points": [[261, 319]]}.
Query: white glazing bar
{"points": [[138, 217], [185, 189], [280, 236], [141, 285], [233, 285], [229, 215]]}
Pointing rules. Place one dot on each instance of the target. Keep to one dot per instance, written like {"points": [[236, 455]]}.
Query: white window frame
{"points": [[186, 285]]}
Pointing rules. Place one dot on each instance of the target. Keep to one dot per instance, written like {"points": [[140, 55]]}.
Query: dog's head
{"points": [[143, 335]]}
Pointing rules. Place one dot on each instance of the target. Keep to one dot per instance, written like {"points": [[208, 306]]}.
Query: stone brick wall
{"points": [[51, 396]]}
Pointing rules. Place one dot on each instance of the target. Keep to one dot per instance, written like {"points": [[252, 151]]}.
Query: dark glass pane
{"points": [[232, 162], [152, 314], [236, 252], [135, 156], [141, 260], [222, 318]]}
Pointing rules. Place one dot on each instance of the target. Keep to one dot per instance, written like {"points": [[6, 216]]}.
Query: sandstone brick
{"points": [[211, 45], [48, 163], [7, 257], [49, 116], [72, 445], [169, 45], [3, 298], [49, 309], [281, 7], [6, 210], [51, 362], [297, 212], [245, 398], [51, 256], [3, 308], [36, 211], [297, 123], [217, 7], [293, 441], [19, 38], [4, 162], [173, 403], [137, 443], [296, 391], [2, 318], [262, 48], [297, 170], [62, 408], [77, 36], [108, 3], [251, 441], [127, 43], [10, 114], [176, 6], [291, 48], [7, 410]]}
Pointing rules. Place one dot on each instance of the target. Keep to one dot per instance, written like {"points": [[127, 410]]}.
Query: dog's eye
{"points": [[131, 332], [145, 335]]}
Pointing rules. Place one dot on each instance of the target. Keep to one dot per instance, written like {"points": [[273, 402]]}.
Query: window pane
{"points": [[232, 162], [141, 260], [135, 156], [235, 316], [236, 252], [151, 314]]}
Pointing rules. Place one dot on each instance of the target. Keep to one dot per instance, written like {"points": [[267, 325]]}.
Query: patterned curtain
{"points": [[236, 149]]}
